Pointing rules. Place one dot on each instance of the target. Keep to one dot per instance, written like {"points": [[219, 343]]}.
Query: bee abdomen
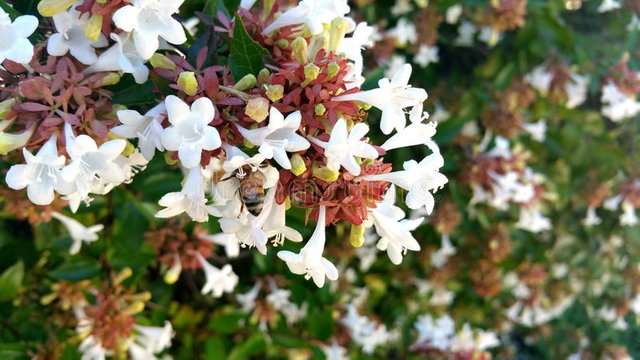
{"points": [[252, 196]]}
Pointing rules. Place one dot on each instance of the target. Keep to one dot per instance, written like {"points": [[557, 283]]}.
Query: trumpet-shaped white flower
{"points": [[91, 348], [440, 256], [122, 56], [466, 32], [335, 351], [146, 128], [436, 334], [364, 331], [228, 241], [538, 130], [453, 14], [15, 44], [426, 55], [415, 133], [312, 13], [190, 132], [404, 32], [628, 217], [393, 229], [540, 79], [248, 229], [309, 261], [352, 48], [531, 219], [576, 90], [247, 300], [150, 20], [70, 38], [218, 281], [276, 227], [592, 218], [392, 97], [617, 105], [344, 146], [92, 166], [78, 232], [419, 179], [154, 338], [190, 199], [278, 137], [41, 174]]}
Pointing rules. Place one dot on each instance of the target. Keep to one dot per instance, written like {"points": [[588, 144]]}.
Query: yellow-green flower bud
{"points": [[298, 167], [10, 142], [332, 70], [52, 7], [257, 109], [356, 235], [311, 72], [161, 62], [188, 82], [320, 41], [275, 92], [93, 27], [135, 308], [172, 275], [283, 43], [48, 299], [324, 173], [263, 76], [110, 79], [5, 109], [247, 82], [299, 46], [337, 31], [319, 109], [123, 275]]}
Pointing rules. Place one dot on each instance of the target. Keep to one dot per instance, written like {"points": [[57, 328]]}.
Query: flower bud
{"points": [[257, 109], [52, 7], [123, 275], [275, 92], [5, 109], [135, 308], [337, 32], [332, 70], [188, 82], [172, 275], [263, 76], [311, 72], [128, 149], [247, 82], [110, 79], [93, 27], [267, 5], [356, 235], [318, 42], [283, 43], [48, 299], [162, 62], [319, 109], [10, 142], [298, 167], [299, 46], [169, 158], [324, 173]]}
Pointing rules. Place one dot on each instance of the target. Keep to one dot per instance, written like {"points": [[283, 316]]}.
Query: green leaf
{"points": [[226, 323], [128, 93], [26, 7], [11, 280], [252, 346], [75, 270], [13, 14], [13, 351], [246, 54]]}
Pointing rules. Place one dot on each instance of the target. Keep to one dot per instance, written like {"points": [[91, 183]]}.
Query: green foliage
{"points": [[246, 55]]}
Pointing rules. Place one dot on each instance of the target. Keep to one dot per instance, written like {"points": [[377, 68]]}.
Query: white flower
{"points": [[312, 13], [218, 281], [609, 5], [278, 137], [404, 32], [146, 128], [537, 130], [453, 14], [466, 32], [228, 241], [426, 55], [92, 166], [275, 226], [148, 20], [352, 48], [70, 38], [190, 132], [309, 262], [391, 97], [78, 232], [153, 338], [122, 56], [440, 256], [531, 219], [419, 179], [364, 331], [435, 334], [617, 106], [15, 44], [401, 7], [489, 35], [592, 218], [247, 300], [393, 229], [394, 65], [540, 79], [576, 90], [344, 146], [41, 174], [191, 199], [335, 351], [91, 348], [415, 133], [628, 217]]}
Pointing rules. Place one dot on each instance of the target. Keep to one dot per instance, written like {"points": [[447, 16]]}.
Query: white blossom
{"points": [[439, 257], [191, 199], [453, 14], [592, 218], [146, 128], [122, 56], [70, 37], [531, 219], [78, 232], [154, 338], [247, 300], [617, 105], [392, 97], [312, 13], [609, 5], [404, 32], [276, 228], [537, 130], [466, 32], [228, 241], [15, 44], [426, 55], [415, 133], [218, 281], [149, 20]]}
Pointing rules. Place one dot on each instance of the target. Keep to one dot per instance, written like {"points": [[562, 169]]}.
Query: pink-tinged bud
{"points": [[298, 167], [257, 109]]}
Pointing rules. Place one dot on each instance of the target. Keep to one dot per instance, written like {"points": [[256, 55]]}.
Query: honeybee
{"points": [[251, 188]]}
